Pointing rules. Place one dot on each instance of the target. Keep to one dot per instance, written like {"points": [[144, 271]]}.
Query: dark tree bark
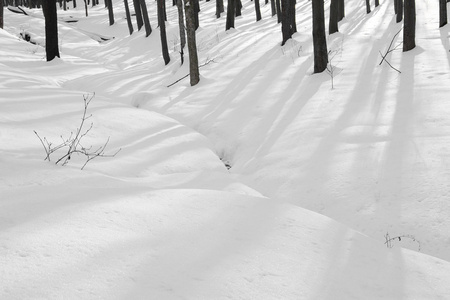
{"points": [[74, 3], [409, 26], [334, 12], [278, 6], [395, 6], [341, 9], [399, 11], [51, 29], [165, 13], [86, 7], [110, 12], [1, 14], [182, 29], [291, 14], [148, 27], [238, 7], [138, 13], [368, 6], [162, 30], [319, 38], [285, 21], [257, 10], [442, 13], [230, 14], [128, 15], [196, 11], [219, 8], [181, 24], [377, 3], [192, 46], [273, 8]]}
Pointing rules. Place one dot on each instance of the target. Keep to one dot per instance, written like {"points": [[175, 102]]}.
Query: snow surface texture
{"points": [[318, 175]]}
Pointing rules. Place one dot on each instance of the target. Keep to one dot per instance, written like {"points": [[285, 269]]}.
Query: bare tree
{"points": [[238, 8], [285, 21], [51, 29], [219, 8], [192, 46], [278, 6], [127, 13], [138, 13], [230, 14], [196, 5], [409, 26], [368, 6], [319, 38], [162, 30], [148, 27], [182, 29], [257, 10], [1, 14], [399, 11], [341, 10], [110, 11], [273, 8], [442, 13], [334, 15]]}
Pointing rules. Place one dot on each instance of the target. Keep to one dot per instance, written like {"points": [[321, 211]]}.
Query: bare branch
{"points": [[74, 142], [208, 61]]}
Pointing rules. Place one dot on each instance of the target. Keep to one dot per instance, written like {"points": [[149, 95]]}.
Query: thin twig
{"points": [[206, 63]]}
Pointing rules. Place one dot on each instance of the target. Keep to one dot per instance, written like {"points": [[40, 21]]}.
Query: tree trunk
{"points": [[399, 11], [395, 6], [110, 12], [51, 29], [368, 6], [192, 46], [278, 6], [285, 21], [219, 8], [341, 10], [148, 27], [273, 8], [196, 11], [257, 10], [182, 29], [181, 24], [138, 13], [319, 38], [442, 13], [377, 3], [230, 14], [334, 11], [238, 7], [128, 15], [409, 26], [291, 14], [162, 31], [86, 7], [1, 14]]}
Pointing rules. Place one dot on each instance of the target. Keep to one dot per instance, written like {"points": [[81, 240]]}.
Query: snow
{"points": [[318, 175]]}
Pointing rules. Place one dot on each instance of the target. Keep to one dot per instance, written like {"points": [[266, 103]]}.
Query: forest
{"points": [[211, 149]]}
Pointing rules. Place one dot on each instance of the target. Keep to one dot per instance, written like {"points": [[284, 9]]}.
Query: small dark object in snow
{"points": [[226, 163]]}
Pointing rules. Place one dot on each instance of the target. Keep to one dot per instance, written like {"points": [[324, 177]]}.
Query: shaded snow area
{"points": [[317, 176]]}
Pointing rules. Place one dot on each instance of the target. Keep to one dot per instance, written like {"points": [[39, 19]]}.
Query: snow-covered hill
{"points": [[318, 175]]}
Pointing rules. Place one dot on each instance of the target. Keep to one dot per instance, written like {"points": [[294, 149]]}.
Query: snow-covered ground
{"points": [[318, 175]]}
